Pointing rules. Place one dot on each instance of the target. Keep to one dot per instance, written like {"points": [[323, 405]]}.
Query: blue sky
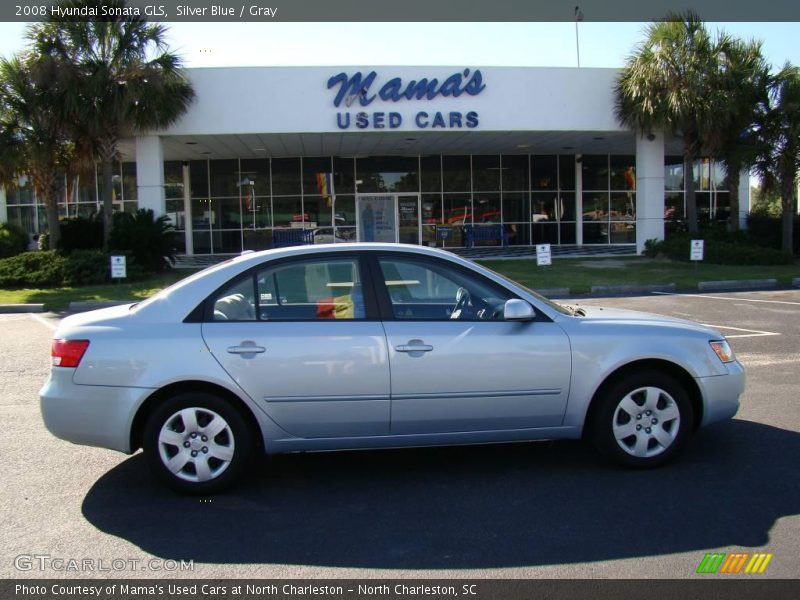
{"points": [[459, 44]]}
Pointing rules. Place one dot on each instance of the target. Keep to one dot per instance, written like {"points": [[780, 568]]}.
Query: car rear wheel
{"points": [[643, 420], [197, 443]]}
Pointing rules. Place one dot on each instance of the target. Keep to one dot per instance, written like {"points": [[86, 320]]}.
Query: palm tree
{"points": [[124, 81], [665, 85], [739, 96], [34, 136], [779, 132]]}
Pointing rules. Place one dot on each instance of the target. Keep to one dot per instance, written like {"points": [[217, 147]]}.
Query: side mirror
{"points": [[518, 310]]}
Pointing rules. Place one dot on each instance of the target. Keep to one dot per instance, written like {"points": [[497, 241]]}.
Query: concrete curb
{"points": [[7, 309], [76, 307], [553, 292], [736, 284], [633, 288]]}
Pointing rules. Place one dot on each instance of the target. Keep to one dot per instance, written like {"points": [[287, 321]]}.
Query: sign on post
{"points": [[543, 256], [696, 252], [118, 267]]}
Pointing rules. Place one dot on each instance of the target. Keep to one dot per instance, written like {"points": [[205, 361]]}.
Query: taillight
{"points": [[68, 353]]}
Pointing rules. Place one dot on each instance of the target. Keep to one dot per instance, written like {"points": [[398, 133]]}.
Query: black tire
{"points": [[236, 440], [643, 448]]}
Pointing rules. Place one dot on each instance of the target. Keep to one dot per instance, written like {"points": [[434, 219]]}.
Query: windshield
{"points": [[564, 310]]}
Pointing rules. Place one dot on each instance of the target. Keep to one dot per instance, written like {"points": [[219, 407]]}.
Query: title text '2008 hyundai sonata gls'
{"points": [[354, 346]]}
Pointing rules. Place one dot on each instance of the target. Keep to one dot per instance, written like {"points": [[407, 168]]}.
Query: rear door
{"points": [[302, 338], [456, 365]]}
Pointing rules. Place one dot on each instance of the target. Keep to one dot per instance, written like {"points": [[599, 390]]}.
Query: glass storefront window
{"points": [[201, 214], [487, 208], [431, 176], [256, 212], [543, 232], [198, 178], [457, 209], [565, 206], [519, 234], [387, 174], [317, 176], [287, 210], [595, 233], [543, 206], [544, 172], [515, 172], [486, 173], [567, 233], [595, 206], [344, 175], [516, 207], [566, 172], [227, 213], [456, 174], [225, 181], [260, 239], [673, 206], [623, 173], [173, 179], [623, 207], [673, 173], [254, 176], [702, 174], [176, 214], [129, 191], [344, 210], [285, 177], [432, 208], [721, 209], [227, 242], [594, 168], [202, 242]]}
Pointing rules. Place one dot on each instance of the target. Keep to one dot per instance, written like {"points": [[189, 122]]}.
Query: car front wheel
{"points": [[644, 419], [197, 443]]}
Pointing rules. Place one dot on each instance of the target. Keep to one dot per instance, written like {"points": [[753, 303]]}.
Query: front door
{"points": [[456, 365], [297, 339]]}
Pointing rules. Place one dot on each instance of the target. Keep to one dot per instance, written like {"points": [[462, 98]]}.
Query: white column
{"points": [[3, 209], [744, 198], [187, 209], [649, 188], [150, 174]]}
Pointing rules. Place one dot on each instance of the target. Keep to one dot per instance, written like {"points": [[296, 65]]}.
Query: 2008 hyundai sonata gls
{"points": [[368, 346]]}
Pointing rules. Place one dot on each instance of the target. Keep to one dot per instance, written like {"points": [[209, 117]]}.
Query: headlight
{"points": [[723, 350]]}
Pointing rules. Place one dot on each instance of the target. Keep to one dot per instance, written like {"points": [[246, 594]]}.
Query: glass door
{"points": [[408, 218], [376, 217]]}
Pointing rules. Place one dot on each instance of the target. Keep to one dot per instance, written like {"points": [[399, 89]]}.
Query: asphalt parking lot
{"points": [[525, 510]]}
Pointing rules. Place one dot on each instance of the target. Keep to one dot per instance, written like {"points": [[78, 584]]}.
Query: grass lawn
{"points": [[577, 274], [580, 274], [57, 299]]}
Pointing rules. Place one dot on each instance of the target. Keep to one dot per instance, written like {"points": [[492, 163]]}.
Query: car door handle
{"points": [[246, 348], [413, 348]]}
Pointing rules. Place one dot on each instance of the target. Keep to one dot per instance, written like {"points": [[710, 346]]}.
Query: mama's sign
{"points": [[363, 90]]}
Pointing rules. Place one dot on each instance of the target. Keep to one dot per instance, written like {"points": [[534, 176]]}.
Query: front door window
{"points": [[377, 218]]}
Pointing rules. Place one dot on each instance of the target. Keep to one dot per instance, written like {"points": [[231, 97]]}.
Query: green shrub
{"points": [[723, 248], [32, 269], [13, 240], [81, 233], [149, 240], [86, 267], [653, 247]]}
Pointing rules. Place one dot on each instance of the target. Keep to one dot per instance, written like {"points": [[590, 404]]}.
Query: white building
{"points": [[411, 154]]}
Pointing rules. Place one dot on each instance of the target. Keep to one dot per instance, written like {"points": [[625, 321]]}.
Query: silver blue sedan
{"points": [[354, 346]]}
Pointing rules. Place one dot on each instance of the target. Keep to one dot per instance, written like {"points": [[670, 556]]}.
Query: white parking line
{"points": [[750, 332], [727, 298], [43, 321]]}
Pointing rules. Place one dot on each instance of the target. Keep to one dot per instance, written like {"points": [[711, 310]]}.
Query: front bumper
{"points": [[721, 393], [91, 415]]}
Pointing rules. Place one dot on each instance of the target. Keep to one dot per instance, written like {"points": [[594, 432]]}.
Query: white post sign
{"points": [[696, 252], [118, 267], [543, 256]]}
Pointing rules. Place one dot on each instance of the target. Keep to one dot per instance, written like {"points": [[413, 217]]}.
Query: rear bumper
{"points": [[90, 415], [721, 394]]}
